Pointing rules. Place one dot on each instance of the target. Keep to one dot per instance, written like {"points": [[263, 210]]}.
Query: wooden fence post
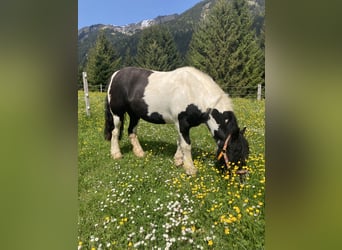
{"points": [[86, 92], [259, 92]]}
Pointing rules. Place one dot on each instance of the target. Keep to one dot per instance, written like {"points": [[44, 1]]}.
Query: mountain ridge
{"points": [[181, 26], [128, 29]]}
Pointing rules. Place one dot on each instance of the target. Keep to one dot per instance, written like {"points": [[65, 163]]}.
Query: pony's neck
{"points": [[221, 124], [212, 125], [215, 129], [219, 117]]}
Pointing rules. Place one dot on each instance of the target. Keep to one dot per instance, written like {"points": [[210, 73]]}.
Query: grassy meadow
{"points": [[148, 203]]}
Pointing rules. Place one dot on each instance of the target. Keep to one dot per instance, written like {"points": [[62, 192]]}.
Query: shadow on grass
{"points": [[163, 148], [157, 147]]}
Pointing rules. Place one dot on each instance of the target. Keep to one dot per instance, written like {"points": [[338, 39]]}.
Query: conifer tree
{"points": [[225, 47], [102, 62], [128, 59], [157, 50]]}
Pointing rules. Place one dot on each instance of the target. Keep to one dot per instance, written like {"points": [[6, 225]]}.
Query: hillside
{"points": [[181, 27]]}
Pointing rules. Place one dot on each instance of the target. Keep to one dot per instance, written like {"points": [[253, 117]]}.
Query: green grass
{"points": [[148, 203]]}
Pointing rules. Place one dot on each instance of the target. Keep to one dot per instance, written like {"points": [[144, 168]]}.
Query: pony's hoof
{"points": [[139, 154], [116, 156], [178, 161], [191, 171]]}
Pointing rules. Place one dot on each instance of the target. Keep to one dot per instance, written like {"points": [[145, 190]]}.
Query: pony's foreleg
{"points": [[133, 138], [114, 147], [187, 157], [178, 158], [185, 148]]}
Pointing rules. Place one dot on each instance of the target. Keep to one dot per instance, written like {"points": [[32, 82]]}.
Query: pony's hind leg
{"points": [[116, 134], [133, 138]]}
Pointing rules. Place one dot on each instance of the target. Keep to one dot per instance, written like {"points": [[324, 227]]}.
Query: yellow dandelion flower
{"points": [[210, 242], [222, 218], [226, 231], [130, 244], [237, 209], [200, 196]]}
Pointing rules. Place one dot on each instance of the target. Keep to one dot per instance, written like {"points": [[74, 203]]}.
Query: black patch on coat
{"points": [[134, 81], [127, 92], [155, 118], [191, 117]]}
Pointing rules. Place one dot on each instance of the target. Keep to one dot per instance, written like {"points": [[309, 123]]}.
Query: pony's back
{"points": [[197, 86]]}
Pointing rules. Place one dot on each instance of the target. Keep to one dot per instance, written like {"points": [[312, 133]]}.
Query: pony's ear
{"points": [[242, 131]]}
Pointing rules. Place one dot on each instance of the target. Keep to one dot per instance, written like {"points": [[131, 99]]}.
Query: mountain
{"points": [[129, 29], [125, 38], [120, 36]]}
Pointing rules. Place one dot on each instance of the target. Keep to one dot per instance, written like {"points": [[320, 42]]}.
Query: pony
{"points": [[185, 97]]}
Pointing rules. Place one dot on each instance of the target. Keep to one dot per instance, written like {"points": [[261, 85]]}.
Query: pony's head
{"points": [[234, 151], [233, 148]]}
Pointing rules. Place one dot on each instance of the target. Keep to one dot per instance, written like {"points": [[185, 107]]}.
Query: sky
{"points": [[122, 12]]}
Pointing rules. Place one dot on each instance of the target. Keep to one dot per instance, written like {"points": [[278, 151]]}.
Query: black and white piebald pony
{"points": [[186, 97]]}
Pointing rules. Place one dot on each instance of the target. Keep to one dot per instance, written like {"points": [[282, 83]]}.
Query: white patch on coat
{"points": [[115, 148], [169, 93], [212, 124], [110, 85]]}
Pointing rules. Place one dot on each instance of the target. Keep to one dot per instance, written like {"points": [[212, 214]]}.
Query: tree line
{"points": [[223, 45]]}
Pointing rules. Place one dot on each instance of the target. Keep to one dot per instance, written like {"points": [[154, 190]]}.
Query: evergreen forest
{"points": [[223, 38]]}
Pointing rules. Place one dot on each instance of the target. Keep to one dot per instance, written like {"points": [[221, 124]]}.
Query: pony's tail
{"points": [[109, 123]]}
